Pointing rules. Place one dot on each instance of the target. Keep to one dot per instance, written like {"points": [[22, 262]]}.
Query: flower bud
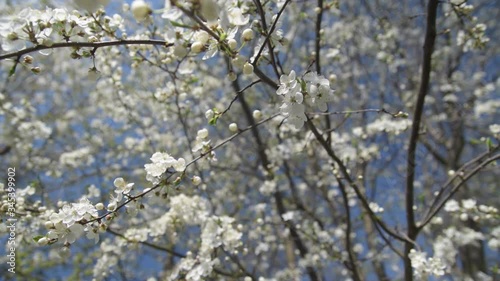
{"points": [[197, 47], [49, 225], [233, 127], [196, 180], [247, 34], [28, 59], [231, 76], [180, 51], [36, 70], [43, 241], [257, 114], [112, 206], [141, 10], [247, 68], [209, 114], [233, 44], [238, 61]]}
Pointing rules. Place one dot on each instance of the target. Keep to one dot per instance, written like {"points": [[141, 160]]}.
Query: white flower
{"points": [[288, 216], [296, 114], [319, 90], [469, 204], [436, 266], [495, 129], [235, 16], [287, 82], [201, 36], [375, 207], [202, 134], [155, 169], [451, 206], [423, 266], [209, 10], [180, 165], [122, 186], [160, 163]]}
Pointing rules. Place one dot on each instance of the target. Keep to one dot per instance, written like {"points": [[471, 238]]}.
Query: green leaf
{"points": [[213, 120], [177, 24], [489, 144], [38, 237]]}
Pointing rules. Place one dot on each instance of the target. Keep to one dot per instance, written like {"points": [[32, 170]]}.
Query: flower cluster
{"points": [[293, 99], [318, 88], [202, 143], [474, 38], [71, 222], [53, 25], [161, 162], [424, 266], [468, 209], [315, 87]]}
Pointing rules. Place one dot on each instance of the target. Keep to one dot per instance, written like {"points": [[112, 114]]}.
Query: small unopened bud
{"points": [[233, 127], [43, 241], [180, 51], [247, 34], [233, 44], [231, 76], [28, 59], [36, 70], [209, 114], [197, 47], [247, 68], [112, 206], [49, 225], [257, 114], [141, 10], [196, 180]]}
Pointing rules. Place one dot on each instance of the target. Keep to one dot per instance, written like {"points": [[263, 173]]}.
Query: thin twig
{"points": [[84, 44]]}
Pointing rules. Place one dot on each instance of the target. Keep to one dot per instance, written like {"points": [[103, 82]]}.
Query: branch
{"points": [[151, 245], [430, 38], [353, 184], [94, 45], [463, 174]]}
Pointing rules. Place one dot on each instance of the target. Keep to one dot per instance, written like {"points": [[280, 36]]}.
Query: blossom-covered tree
{"points": [[250, 140]]}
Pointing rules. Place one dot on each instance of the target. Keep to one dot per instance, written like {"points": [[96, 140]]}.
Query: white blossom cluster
{"points": [[143, 99], [33, 27], [317, 90], [160, 163], [469, 209], [70, 223], [423, 266]]}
